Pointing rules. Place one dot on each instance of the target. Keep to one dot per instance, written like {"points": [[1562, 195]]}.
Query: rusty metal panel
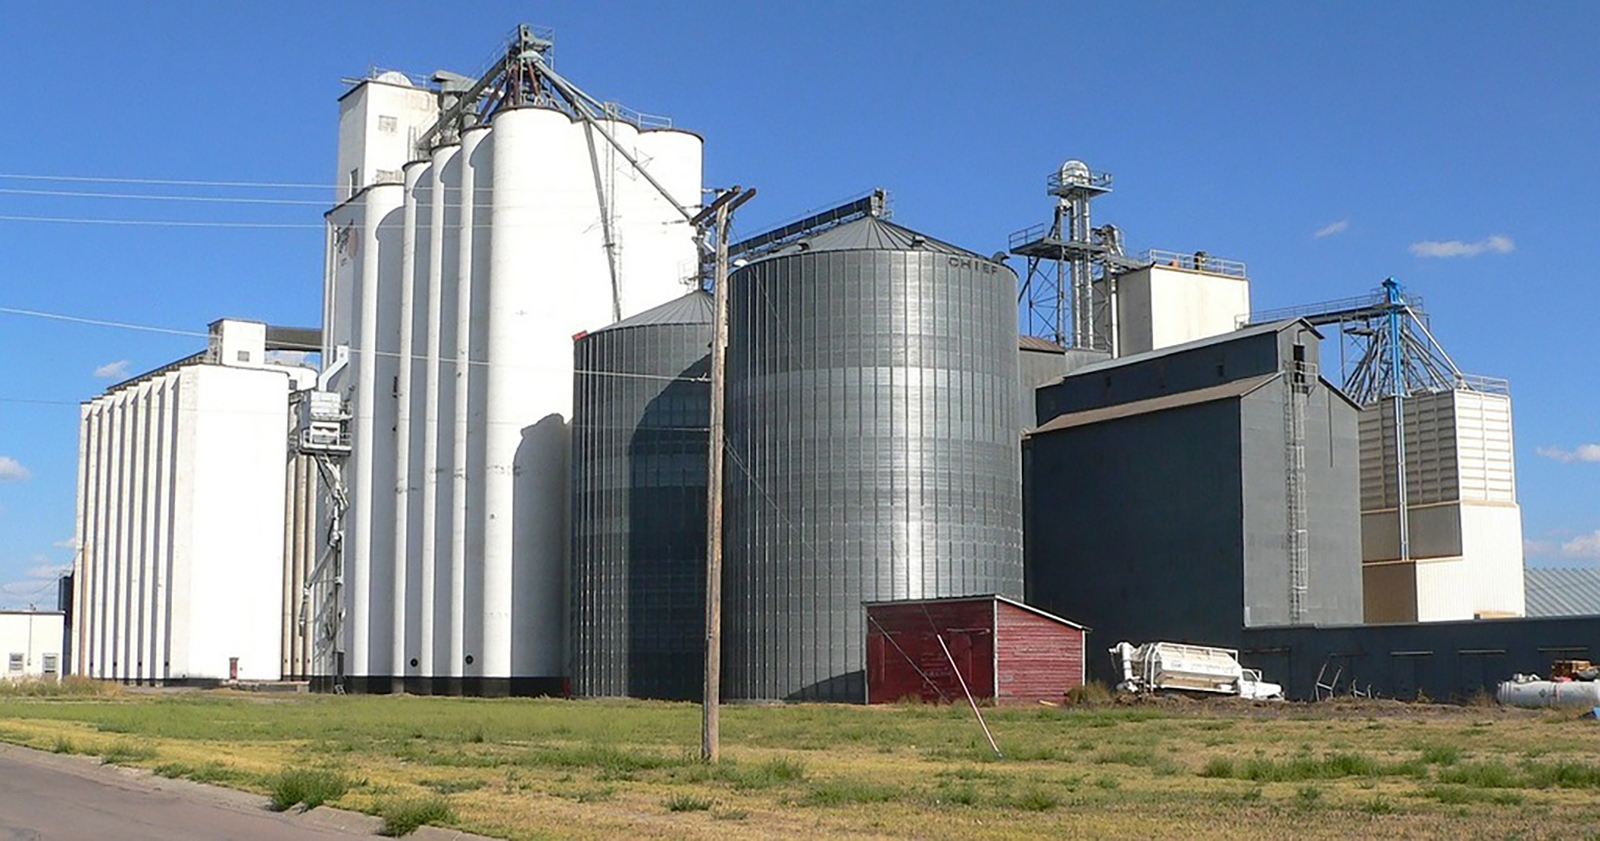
{"points": [[1037, 658], [904, 657]]}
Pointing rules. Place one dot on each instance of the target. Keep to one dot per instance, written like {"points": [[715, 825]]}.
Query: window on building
{"points": [[388, 125], [51, 664], [16, 662], [244, 356], [355, 179]]}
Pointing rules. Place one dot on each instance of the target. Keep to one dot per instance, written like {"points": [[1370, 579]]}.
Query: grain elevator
{"points": [[487, 221]]}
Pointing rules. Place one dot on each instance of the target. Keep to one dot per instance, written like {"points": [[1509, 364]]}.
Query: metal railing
{"points": [[1486, 385], [1081, 178], [1198, 261]]}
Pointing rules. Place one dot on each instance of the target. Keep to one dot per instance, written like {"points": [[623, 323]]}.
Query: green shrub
{"points": [[1488, 774], [1033, 800], [124, 751], [1307, 797], [310, 787], [841, 791], [1441, 754], [688, 803], [402, 817], [1218, 766]]}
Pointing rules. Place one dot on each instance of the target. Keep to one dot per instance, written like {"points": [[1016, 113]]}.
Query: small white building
{"points": [[1464, 558], [183, 481], [30, 642], [1178, 298]]}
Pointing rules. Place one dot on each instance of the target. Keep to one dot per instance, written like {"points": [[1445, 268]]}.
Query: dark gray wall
{"points": [[872, 427], [639, 448], [1133, 527], [1333, 517], [1444, 660]]}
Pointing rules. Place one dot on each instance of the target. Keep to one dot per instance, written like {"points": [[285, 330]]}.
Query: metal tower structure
{"points": [[322, 432], [1067, 257], [1394, 355]]}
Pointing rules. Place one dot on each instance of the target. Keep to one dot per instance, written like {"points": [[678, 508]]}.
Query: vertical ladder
{"points": [[1299, 376]]}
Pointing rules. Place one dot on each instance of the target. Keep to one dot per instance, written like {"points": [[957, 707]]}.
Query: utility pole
{"points": [[711, 725]]}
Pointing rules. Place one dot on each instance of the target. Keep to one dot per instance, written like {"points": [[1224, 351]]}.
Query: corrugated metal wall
{"points": [[1036, 657], [872, 452], [640, 410]]}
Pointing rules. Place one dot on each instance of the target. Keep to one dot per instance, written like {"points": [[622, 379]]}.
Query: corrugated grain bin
{"points": [[639, 438], [872, 429], [1006, 651]]}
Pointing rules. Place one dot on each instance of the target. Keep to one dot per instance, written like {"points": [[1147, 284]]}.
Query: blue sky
{"points": [[1244, 129]]}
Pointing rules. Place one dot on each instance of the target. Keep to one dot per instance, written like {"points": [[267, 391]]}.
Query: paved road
{"points": [[64, 798]]}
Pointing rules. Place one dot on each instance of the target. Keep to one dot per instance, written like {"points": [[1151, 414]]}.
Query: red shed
{"points": [[1007, 651]]}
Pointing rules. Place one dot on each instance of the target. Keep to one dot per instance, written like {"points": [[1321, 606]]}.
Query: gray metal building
{"points": [[872, 448], [1193, 491], [641, 404]]}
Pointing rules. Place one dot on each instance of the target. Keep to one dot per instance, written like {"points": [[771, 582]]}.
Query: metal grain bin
{"points": [[872, 435], [641, 405]]}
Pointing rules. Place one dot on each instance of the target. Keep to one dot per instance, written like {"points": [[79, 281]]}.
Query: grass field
{"points": [[599, 769]]}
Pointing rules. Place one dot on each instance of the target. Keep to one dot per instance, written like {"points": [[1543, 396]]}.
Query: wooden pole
{"points": [[968, 693], [711, 728]]}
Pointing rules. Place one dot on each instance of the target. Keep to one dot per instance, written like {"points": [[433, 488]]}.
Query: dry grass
{"points": [[549, 768]]}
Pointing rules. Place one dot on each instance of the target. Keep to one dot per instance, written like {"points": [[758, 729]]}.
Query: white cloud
{"points": [[288, 357], [69, 543], [12, 471], [117, 370], [37, 586], [1539, 548], [1332, 228], [1456, 248], [1583, 546], [1584, 452]]}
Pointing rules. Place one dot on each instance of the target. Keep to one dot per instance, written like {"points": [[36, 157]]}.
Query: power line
{"points": [[162, 223], [354, 352], [78, 194], [170, 182], [98, 322]]}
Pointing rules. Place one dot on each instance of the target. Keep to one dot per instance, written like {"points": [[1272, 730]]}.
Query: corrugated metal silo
{"points": [[872, 420], [641, 405]]}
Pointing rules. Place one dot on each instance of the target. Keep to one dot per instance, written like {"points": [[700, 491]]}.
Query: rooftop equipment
{"points": [[1064, 257], [1181, 667]]}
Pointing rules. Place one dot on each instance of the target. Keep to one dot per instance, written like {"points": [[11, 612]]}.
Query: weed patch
{"points": [[688, 803], [402, 817], [123, 752], [844, 792], [306, 786]]}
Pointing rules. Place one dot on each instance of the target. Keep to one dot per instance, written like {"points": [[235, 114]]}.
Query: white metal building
{"points": [[181, 517], [30, 642], [1178, 298], [1465, 526], [458, 276]]}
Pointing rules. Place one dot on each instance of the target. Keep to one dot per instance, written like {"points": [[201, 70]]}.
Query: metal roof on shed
{"points": [[1235, 388], [1038, 343], [1134, 359], [1562, 591], [983, 598]]}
